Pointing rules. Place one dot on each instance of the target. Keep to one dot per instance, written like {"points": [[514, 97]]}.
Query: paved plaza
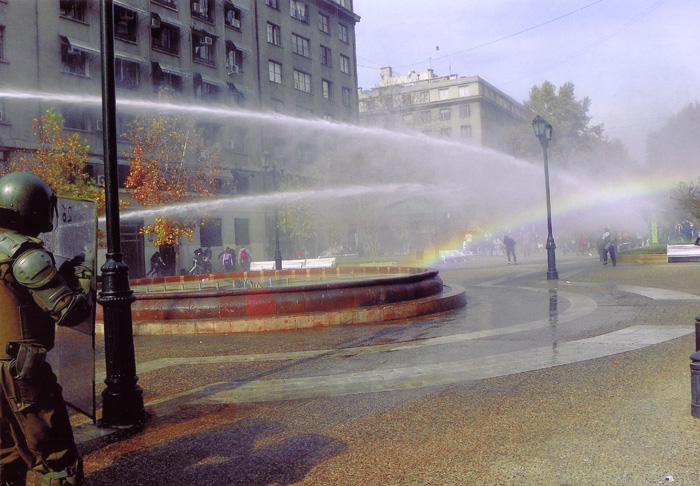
{"points": [[583, 381]]}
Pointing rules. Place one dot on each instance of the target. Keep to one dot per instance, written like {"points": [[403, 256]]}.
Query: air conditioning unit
{"points": [[195, 7], [236, 23], [127, 15], [230, 144], [207, 41], [155, 23], [98, 125], [232, 70], [72, 51]]}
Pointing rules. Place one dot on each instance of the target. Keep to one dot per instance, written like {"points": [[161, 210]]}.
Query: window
{"points": [[241, 230], [75, 119], [73, 60], [164, 80], [444, 114], [422, 97], [426, 116], [343, 33], [125, 23], [302, 81], [234, 59], [300, 45], [345, 64], [274, 35], [277, 105], [465, 111], [210, 233], [73, 9], [324, 23], [272, 4], [466, 131], [463, 91], [326, 87], [203, 47], [201, 9], [3, 118], [165, 37], [445, 132], [408, 118], [167, 3], [326, 57], [347, 96], [205, 91], [126, 74], [298, 10], [275, 69], [232, 16], [443, 94], [2, 41]]}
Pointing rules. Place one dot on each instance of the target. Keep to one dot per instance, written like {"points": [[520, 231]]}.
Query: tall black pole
{"points": [[123, 398], [278, 252], [552, 273]]}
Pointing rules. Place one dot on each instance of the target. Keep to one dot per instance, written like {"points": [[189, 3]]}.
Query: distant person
{"points": [[244, 258], [510, 248], [688, 231], [206, 261], [157, 265], [228, 260], [197, 262], [608, 247]]}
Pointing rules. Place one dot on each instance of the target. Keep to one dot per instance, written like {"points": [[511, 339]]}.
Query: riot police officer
{"points": [[34, 296]]}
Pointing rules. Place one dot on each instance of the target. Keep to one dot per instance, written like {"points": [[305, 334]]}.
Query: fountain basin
{"points": [[286, 299]]}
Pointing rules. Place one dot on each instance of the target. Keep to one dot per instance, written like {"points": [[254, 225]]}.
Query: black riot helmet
{"points": [[27, 203]]}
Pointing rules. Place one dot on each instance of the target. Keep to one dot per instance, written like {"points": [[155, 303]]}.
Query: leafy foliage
{"points": [[60, 159], [170, 164]]}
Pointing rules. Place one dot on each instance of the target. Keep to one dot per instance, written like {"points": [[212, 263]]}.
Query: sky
{"points": [[637, 60]]}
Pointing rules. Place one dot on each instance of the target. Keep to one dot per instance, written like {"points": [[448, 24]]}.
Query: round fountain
{"points": [[287, 299]]}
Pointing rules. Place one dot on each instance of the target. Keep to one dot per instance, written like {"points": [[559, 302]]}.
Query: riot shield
{"points": [[73, 356]]}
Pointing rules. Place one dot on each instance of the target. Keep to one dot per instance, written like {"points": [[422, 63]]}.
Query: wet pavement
{"points": [[576, 382]]}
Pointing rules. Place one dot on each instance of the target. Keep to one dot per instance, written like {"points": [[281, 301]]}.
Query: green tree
{"points": [[575, 141]]}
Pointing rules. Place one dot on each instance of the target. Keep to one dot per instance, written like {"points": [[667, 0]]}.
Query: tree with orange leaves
{"points": [[61, 160], [171, 164]]}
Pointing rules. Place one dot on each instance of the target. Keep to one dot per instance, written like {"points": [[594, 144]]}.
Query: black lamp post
{"points": [[543, 130], [122, 398], [275, 171]]}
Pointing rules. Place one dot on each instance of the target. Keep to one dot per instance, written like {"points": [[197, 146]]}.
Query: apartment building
{"points": [[291, 57], [463, 108]]}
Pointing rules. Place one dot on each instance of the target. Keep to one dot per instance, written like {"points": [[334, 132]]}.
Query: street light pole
{"points": [[543, 131], [273, 169], [122, 399]]}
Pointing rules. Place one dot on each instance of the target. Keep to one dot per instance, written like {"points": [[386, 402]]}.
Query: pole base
{"points": [[123, 408]]}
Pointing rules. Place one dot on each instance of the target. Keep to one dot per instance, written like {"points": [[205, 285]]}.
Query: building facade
{"points": [[295, 58], [462, 108]]}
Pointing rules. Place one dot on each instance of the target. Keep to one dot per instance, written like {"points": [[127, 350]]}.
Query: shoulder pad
{"points": [[34, 268], [11, 243]]}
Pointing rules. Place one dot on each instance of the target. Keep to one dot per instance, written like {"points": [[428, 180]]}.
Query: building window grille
{"points": [[445, 114], [275, 72], [73, 9], [347, 97], [203, 48], [165, 38], [202, 10], [327, 89], [344, 64], [300, 45], [298, 10], [73, 60], [125, 23], [466, 131], [302, 81], [324, 23], [75, 119], [272, 4], [444, 94], [234, 59], [465, 111], [126, 74], [343, 33], [232, 16], [274, 35], [326, 56]]}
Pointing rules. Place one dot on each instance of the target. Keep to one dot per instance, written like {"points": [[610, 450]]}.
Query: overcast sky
{"points": [[637, 60]]}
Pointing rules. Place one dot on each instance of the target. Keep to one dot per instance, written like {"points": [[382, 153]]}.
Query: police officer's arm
{"points": [[35, 270]]}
